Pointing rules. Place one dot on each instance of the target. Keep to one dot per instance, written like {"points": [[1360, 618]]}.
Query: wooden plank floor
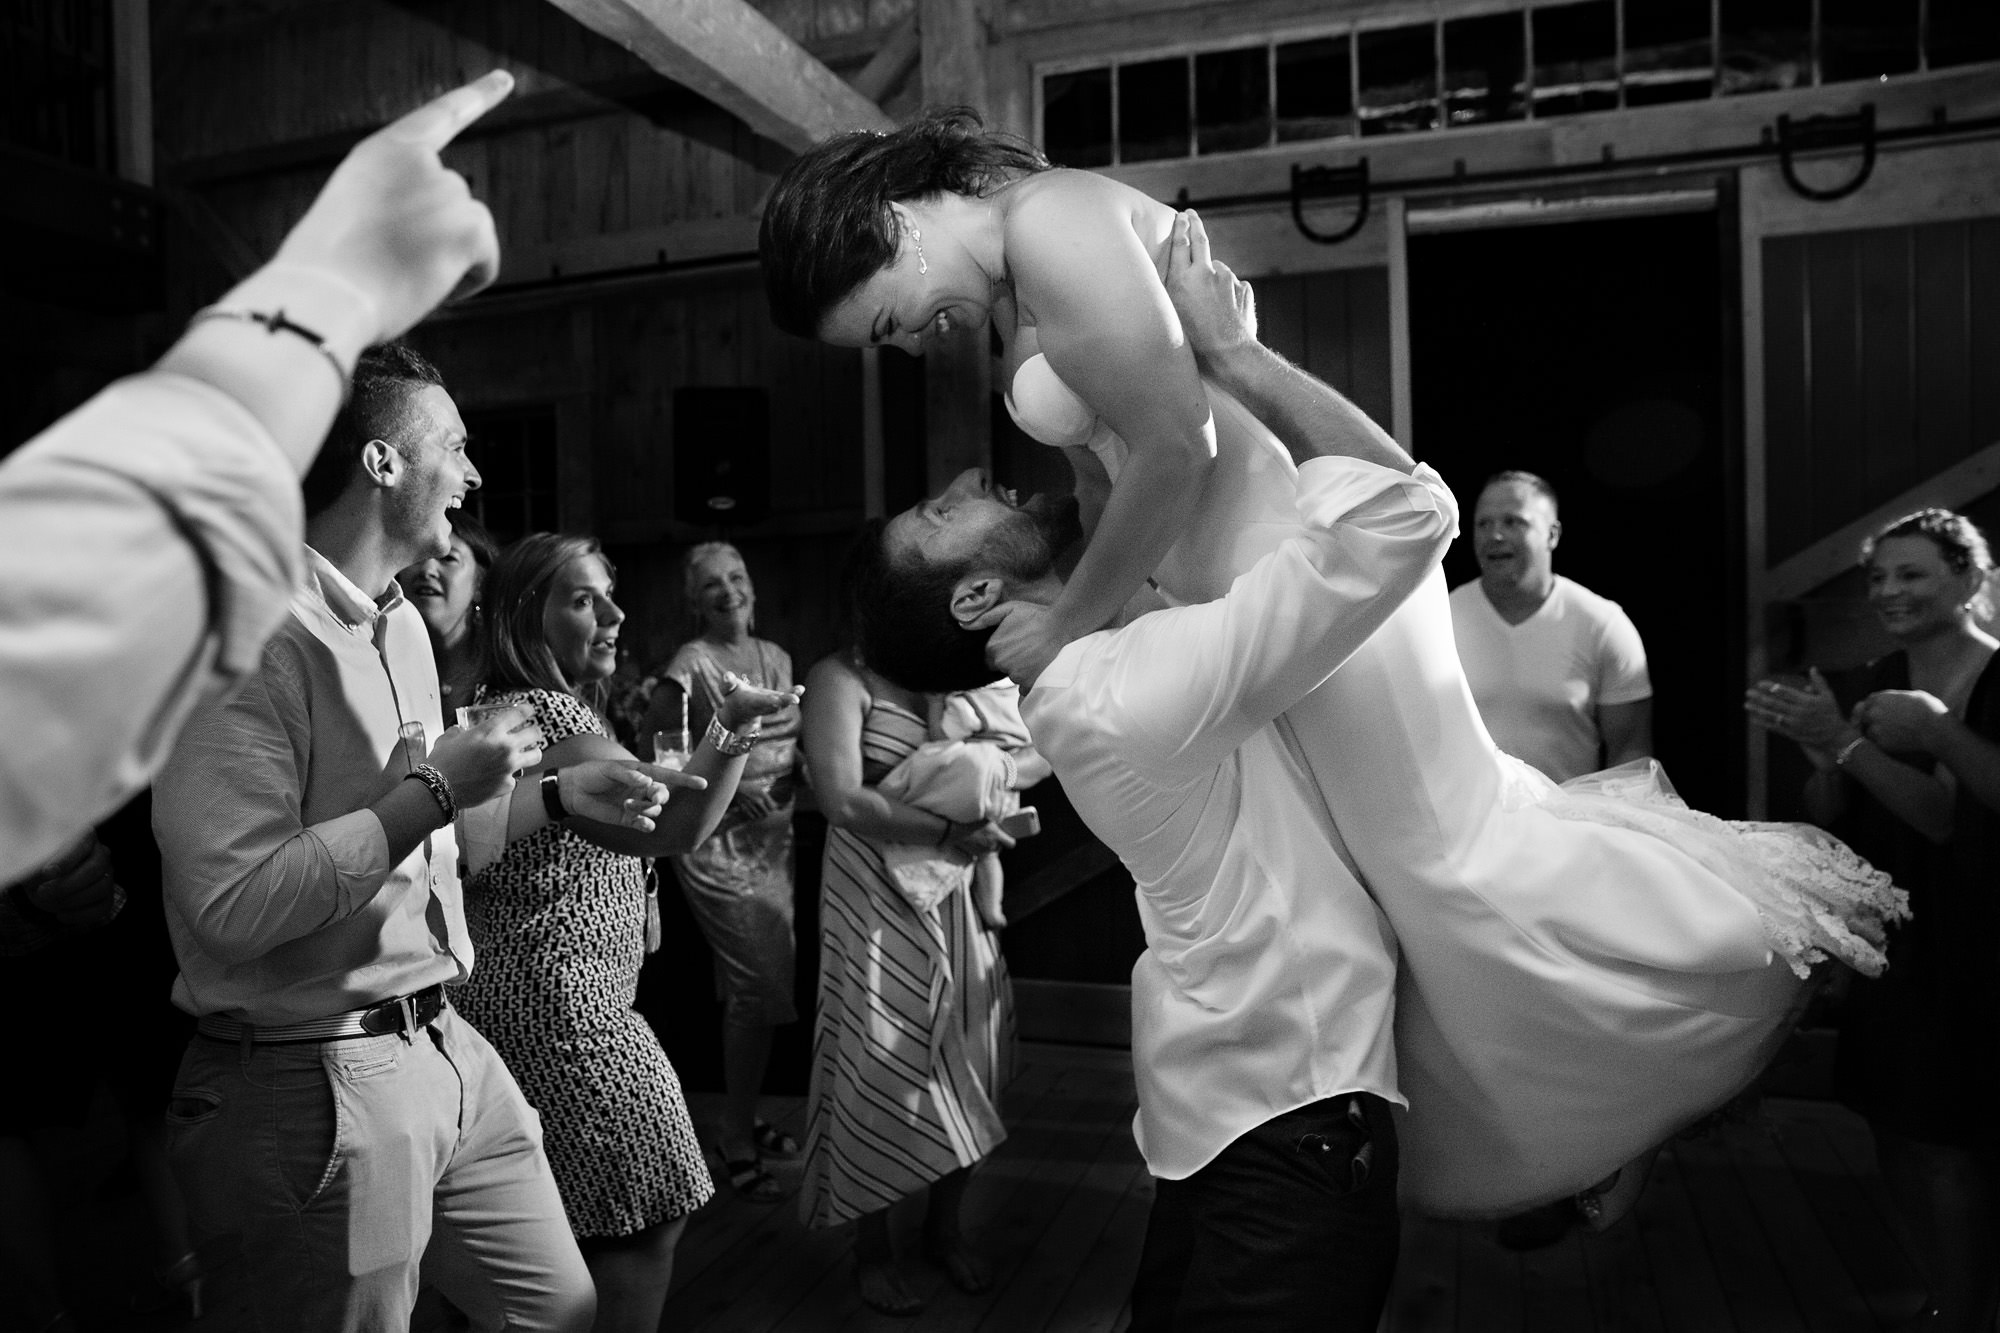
{"points": [[1774, 1224]]}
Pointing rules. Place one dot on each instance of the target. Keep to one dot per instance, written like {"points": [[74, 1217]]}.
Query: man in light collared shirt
{"points": [[334, 1121], [1263, 1006]]}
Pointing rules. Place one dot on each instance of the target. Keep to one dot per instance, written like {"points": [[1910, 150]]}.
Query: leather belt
{"points": [[404, 1014]]}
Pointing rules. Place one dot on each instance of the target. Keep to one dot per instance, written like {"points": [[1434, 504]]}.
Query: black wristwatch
{"points": [[552, 795]]}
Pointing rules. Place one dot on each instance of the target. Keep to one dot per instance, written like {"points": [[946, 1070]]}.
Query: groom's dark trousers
{"points": [[1292, 1227]]}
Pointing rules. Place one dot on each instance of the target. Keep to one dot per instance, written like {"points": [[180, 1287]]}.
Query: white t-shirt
{"points": [[1269, 976], [1540, 683]]}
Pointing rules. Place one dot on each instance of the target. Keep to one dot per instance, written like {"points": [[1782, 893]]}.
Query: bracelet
{"points": [[1846, 752], [552, 796], [732, 742], [439, 788], [275, 322]]}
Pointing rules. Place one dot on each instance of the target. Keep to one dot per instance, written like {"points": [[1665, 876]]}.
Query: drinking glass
{"points": [[671, 749]]}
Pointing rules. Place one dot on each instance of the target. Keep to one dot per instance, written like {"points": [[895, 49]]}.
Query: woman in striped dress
{"points": [[914, 1036]]}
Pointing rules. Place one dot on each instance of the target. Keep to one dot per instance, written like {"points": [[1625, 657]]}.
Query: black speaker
{"points": [[722, 456]]}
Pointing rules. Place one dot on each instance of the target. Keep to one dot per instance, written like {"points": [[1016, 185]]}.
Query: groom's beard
{"points": [[1043, 529]]}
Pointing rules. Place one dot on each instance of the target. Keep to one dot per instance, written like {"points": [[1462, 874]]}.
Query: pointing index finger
{"points": [[438, 122]]}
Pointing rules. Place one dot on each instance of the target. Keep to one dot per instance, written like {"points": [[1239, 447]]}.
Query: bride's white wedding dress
{"points": [[1585, 969]]}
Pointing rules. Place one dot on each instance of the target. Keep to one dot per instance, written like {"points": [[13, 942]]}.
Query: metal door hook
{"points": [[1330, 183], [1817, 133]]}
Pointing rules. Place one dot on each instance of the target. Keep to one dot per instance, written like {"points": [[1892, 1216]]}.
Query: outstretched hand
{"points": [[624, 792], [399, 225], [1217, 309], [743, 703]]}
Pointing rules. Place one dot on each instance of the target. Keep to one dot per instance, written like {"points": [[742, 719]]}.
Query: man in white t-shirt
{"points": [[1559, 672]]}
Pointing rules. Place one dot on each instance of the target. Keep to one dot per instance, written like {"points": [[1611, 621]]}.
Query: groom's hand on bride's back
{"points": [[1217, 309]]}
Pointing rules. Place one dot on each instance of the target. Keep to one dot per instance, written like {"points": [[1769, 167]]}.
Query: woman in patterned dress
{"points": [[738, 883], [559, 921], [914, 1038]]}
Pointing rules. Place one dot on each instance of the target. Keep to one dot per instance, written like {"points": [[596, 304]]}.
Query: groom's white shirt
{"points": [[1268, 980]]}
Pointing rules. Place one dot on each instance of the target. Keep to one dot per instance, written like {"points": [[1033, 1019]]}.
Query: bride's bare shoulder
{"points": [[1054, 201]]}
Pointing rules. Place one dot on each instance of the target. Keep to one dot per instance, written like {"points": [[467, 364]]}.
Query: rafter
{"points": [[731, 54]]}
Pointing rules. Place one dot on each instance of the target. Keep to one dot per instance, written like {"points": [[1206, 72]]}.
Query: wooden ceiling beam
{"points": [[735, 57]]}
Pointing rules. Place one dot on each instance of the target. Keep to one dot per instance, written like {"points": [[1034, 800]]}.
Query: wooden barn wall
{"points": [[259, 98], [1336, 325], [1881, 348]]}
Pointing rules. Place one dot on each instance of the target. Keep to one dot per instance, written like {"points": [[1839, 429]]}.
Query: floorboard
{"points": [[1774, 1224]]}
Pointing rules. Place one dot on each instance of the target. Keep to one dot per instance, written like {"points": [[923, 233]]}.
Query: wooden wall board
{"points": [[1983, 333], [1787, 412], [1942, 348], [1873, 375]]}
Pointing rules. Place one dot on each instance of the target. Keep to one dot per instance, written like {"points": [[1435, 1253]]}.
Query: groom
{"points": [[1264, 1003]]}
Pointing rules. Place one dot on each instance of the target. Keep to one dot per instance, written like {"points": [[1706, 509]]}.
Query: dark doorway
{"points": [[1592, 353]]}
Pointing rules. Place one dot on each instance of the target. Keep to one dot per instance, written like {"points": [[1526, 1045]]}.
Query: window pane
{"points": [[515, 452], [1766, 44], [1076, 118], [1669, 56], [1315, 90], [1485, 64], [1232, 100], [1153, 110], [1865, 39], [1576, 58], [1398, 80], [1962, 32]]}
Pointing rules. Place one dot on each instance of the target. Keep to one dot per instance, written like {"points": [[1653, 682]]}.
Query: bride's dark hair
{"points": [[827, 226]]}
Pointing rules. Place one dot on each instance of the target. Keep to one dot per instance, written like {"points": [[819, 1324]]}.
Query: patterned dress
{"points": [[559, 925], [914, 1038]]}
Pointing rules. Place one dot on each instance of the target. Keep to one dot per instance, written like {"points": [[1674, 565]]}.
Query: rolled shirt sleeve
{"points": [[1214, 673], [245, 872], [149, 543]]}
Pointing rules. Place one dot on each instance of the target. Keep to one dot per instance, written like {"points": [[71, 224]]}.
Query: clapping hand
{"points": [[1808, 714], [1217, 309], [1901, 719], [397, 224]]}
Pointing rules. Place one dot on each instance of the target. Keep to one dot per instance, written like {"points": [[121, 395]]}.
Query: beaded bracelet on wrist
{"points": [[440, 789], [731, 742], [275, 322]]}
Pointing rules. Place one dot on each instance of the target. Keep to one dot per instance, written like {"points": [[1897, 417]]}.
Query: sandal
{"points": [[752, 1182], [772, 1141]]}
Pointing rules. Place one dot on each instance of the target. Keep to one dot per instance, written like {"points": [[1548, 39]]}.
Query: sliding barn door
{"points": [[1871, 388]]}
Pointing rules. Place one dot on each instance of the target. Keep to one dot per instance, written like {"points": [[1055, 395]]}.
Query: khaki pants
{"points": [[320, 1177]]}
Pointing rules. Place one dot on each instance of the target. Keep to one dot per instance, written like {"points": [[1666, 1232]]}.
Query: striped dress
{"points": [[914, 1036]]}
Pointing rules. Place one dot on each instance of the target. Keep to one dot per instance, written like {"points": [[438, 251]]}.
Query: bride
{"points": [[1586, 969]]}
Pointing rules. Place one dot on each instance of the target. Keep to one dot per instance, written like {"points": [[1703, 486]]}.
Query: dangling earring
{"points": [[918, 238]]}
